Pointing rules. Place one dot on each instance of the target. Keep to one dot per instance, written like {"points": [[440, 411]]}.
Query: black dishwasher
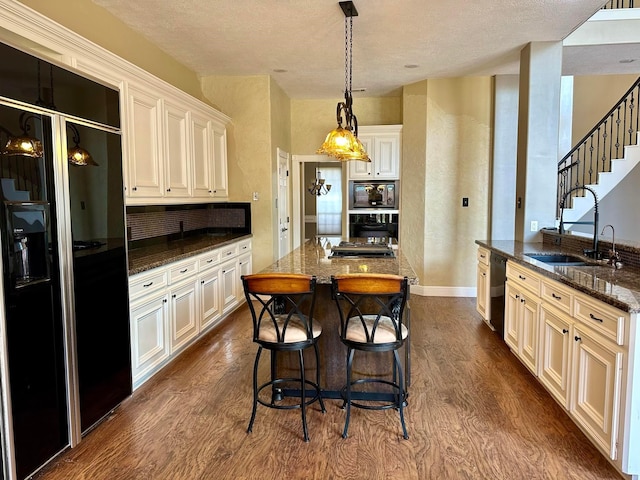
{"points": [[497, 277]]}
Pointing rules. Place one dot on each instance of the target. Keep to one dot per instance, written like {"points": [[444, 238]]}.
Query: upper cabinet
{"points": [[383, 143], [176, 148]]}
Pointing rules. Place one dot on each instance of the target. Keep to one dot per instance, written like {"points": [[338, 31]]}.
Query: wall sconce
{"points": [[77, 155], [23, 145], [318, 186]]}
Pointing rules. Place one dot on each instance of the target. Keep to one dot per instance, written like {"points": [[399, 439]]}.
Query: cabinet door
{"points": [[202, 156], [184, 315], [145, 170], [229, 284], [149, 336], [244, 268], [511, 321], [210, 298], [482, 296], [529, 327], [176, 155], [387, 153], [596, 384], [359, 170], [219, 134], [556, 352]]}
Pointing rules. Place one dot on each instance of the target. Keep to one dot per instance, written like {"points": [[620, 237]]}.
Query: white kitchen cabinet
{"points": [[176, 154], [149, 320], [171, 306], [210, 298], [522, 320], [209, 150], [142, 125], [483, 285], [220, 181], [383, 143], [229, 284], [596, 388], [185, 314], [557, 328], [176, 148]]}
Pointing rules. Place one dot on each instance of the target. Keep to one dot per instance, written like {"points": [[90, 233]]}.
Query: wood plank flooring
{"points": [[474, 412]]}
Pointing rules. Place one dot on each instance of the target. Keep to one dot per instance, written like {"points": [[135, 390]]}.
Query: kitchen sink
{"points": [[558, 259]]}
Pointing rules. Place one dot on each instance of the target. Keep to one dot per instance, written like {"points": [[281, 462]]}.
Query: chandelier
{"points": [[318, 186], [342, 142]]}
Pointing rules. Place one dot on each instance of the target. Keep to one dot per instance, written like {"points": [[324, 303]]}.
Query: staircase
{"points": [[602, 158]]}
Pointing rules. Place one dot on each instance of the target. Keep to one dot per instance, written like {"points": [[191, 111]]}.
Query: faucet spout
{"points": [[594, 251], [614, 257]]}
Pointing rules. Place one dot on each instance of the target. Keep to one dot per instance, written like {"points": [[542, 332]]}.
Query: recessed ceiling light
{"points": [[411, 65], [279, 70], [627, 60]]}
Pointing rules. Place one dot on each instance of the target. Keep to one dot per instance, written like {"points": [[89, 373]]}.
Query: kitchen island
{"points": [[314, 258]]}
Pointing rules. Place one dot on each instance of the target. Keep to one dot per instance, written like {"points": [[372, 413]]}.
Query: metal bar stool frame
{"points": [[279, 325], [371, 309]]}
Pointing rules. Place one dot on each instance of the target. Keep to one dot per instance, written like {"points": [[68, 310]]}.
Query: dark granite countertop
{"points": [[146, 258], [619, 288], [312, 258]]}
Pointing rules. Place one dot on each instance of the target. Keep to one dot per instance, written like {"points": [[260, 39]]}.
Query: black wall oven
{"points": [[373, 195]]}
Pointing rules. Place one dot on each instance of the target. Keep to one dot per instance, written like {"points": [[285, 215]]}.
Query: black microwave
{"points": [[366, 194]]}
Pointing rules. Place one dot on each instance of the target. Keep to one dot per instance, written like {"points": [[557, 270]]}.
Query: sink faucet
{"points": [[594, 251], [614, 257]]}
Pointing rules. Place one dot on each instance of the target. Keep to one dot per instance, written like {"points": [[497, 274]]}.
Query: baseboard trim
{"points": [[432, 291]]}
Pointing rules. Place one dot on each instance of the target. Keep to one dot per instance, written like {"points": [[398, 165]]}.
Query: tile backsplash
{"points": [[147, 222]]}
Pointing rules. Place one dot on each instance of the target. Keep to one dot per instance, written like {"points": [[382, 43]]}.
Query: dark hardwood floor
{"points": [[474, 412]]}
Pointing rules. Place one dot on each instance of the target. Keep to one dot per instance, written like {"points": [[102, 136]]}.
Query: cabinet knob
{"points": [[168, 189], [577, 338], [521, 277], [135, 188], [517, 296], [564, 330]]}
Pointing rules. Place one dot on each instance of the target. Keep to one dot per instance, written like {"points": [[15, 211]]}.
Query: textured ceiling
{"points": [[441, 38]]}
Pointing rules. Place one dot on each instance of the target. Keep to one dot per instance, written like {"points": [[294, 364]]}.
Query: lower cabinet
{"points": [[172, 306], [483, 284], [579, 349]]}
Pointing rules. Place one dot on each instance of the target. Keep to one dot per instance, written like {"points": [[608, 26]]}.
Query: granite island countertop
{"points": [[146, 258], [312, 258], [619, 288]]}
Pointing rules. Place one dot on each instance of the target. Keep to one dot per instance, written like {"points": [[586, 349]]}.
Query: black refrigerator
{"points": [[65, 279]]}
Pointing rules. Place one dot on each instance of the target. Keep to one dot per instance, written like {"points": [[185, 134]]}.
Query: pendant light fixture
{"points": [[77, 155], [319, 187], [23, 145], [342, 142]]}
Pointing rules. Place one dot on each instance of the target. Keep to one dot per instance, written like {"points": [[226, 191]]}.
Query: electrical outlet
{"points": [[465, 202], [534, 225], [255, 196]]}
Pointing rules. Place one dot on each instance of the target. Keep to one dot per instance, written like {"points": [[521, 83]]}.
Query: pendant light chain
{"points": [[346, 56], [350, 51]]}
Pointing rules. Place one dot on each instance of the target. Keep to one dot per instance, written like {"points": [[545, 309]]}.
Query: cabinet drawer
{"points": [[148, 282], [483, 255], [524, 277], [557, 295], [229, 251], [208, 260], [603, 318], [182, 270], [244, 246]]}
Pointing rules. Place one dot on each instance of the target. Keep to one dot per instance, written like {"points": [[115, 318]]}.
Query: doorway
{"points": [[323, 210]]}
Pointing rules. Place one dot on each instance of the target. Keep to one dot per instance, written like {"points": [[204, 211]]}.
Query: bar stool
{"points": [[281, 306], [372, 319]]}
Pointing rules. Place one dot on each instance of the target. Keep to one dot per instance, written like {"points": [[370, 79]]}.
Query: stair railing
{"points": [[605, 142], [612, 4]]}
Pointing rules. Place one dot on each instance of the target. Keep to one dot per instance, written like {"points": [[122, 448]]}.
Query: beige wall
{"points": [[96, 24], [594, 95], [249, 150], [447, 142], [311, 120]]}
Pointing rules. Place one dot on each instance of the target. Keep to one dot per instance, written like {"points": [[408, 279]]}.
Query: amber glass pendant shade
{"points": [[25, 146], [80, 157]]}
